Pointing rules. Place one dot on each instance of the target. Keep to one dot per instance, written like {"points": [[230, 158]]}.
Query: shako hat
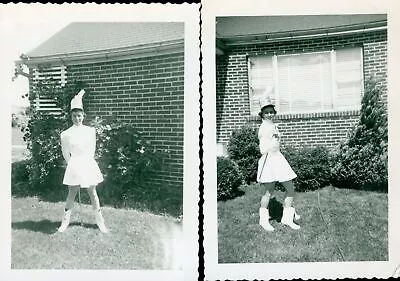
{"points": [[76, 102], [266, 102]]}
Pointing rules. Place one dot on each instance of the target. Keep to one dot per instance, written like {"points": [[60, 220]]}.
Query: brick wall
{"points": [[233, 105], [147, 92]]}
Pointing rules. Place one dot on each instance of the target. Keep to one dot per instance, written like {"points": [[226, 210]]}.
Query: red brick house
{"points": [[313, 67], [133, 71]]}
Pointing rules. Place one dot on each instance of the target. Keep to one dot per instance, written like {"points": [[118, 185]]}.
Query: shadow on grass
{"points": [[85, 225], [47, 226], [44, 226], [275, 209]]}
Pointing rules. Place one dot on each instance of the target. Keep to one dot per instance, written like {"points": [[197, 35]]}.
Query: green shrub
{"points": [[361, 160], [125, 158], [19, 178], [229, 178], [243, 149], [312, 166]]}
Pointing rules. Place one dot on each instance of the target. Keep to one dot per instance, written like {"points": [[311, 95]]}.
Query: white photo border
{"points": [[330, 270], [189, 15]]}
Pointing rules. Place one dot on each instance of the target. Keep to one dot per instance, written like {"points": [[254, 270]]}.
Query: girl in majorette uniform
{"points": [[78, 144], [272, 168]]}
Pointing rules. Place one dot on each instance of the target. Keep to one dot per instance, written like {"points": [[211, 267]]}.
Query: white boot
{"points": [[100, 221], [264, 219], [287, 217], [65, 221]]}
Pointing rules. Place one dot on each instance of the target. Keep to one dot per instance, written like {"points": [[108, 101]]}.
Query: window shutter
{"points": [[349, 81], [261, 81], [57, 73]]}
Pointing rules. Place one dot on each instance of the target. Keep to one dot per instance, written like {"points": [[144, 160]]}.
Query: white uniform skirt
{"points": [[274, 167], [82, 171]]}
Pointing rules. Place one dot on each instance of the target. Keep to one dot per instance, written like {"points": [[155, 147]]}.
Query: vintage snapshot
{"points": [[299, 175], [103, 108]]}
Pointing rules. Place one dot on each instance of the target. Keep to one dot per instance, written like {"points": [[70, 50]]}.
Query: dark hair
{"points": [[76, 110], [261, 113]]}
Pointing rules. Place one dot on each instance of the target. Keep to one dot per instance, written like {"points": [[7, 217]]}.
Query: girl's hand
{"points": [[275, 145]]}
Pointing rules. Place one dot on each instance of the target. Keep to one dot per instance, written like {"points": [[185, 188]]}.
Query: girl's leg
{"points": [[289, 196], [269, 191], [289, 188], [72, 191], [288, 211], [94, 199], [264, 213]]}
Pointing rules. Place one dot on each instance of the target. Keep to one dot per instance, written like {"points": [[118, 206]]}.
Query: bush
{"points": [[312, 166], [243, 149], [361, 161], [125, 158], [43, 141], [19, 178], [229, 178]]}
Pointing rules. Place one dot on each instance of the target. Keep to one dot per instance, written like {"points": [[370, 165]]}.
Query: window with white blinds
{"points": [[308, 82], [58, 74]]}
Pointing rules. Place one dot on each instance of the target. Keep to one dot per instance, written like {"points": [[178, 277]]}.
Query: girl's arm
{"points": [[65, 147], [92, 148], [268, 141]]}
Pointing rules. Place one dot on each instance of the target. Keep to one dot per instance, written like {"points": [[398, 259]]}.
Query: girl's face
{"points": [[77, 117], [268, 113]]}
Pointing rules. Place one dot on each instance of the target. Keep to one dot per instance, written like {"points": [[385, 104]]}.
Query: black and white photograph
{"points": [[299, 172], [322, 81], [103, 108], [223, 140]]}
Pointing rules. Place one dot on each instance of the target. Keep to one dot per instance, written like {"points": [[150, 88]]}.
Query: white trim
{"points": [[321, 91], [333, 73], [276, 81], [247, 40], [362, 73], [63, 75], [58, 73], [107, 55], [303, 53], [249, 81]]}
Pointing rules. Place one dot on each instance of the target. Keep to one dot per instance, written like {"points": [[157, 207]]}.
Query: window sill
{"points": [[316, 115]]}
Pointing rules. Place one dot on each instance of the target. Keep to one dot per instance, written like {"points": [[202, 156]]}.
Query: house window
{"points": [[57, 73], [308, 82]]}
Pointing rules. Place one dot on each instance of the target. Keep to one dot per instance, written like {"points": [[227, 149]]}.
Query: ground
{"points": [[137, 240], [336, 225]]}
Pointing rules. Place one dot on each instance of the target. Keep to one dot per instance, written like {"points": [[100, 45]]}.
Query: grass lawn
{"points": [[356, 221], [137, 240]]}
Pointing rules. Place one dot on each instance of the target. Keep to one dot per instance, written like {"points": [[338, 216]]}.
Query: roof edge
{"points": [[106, 55], [301, 34]]}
